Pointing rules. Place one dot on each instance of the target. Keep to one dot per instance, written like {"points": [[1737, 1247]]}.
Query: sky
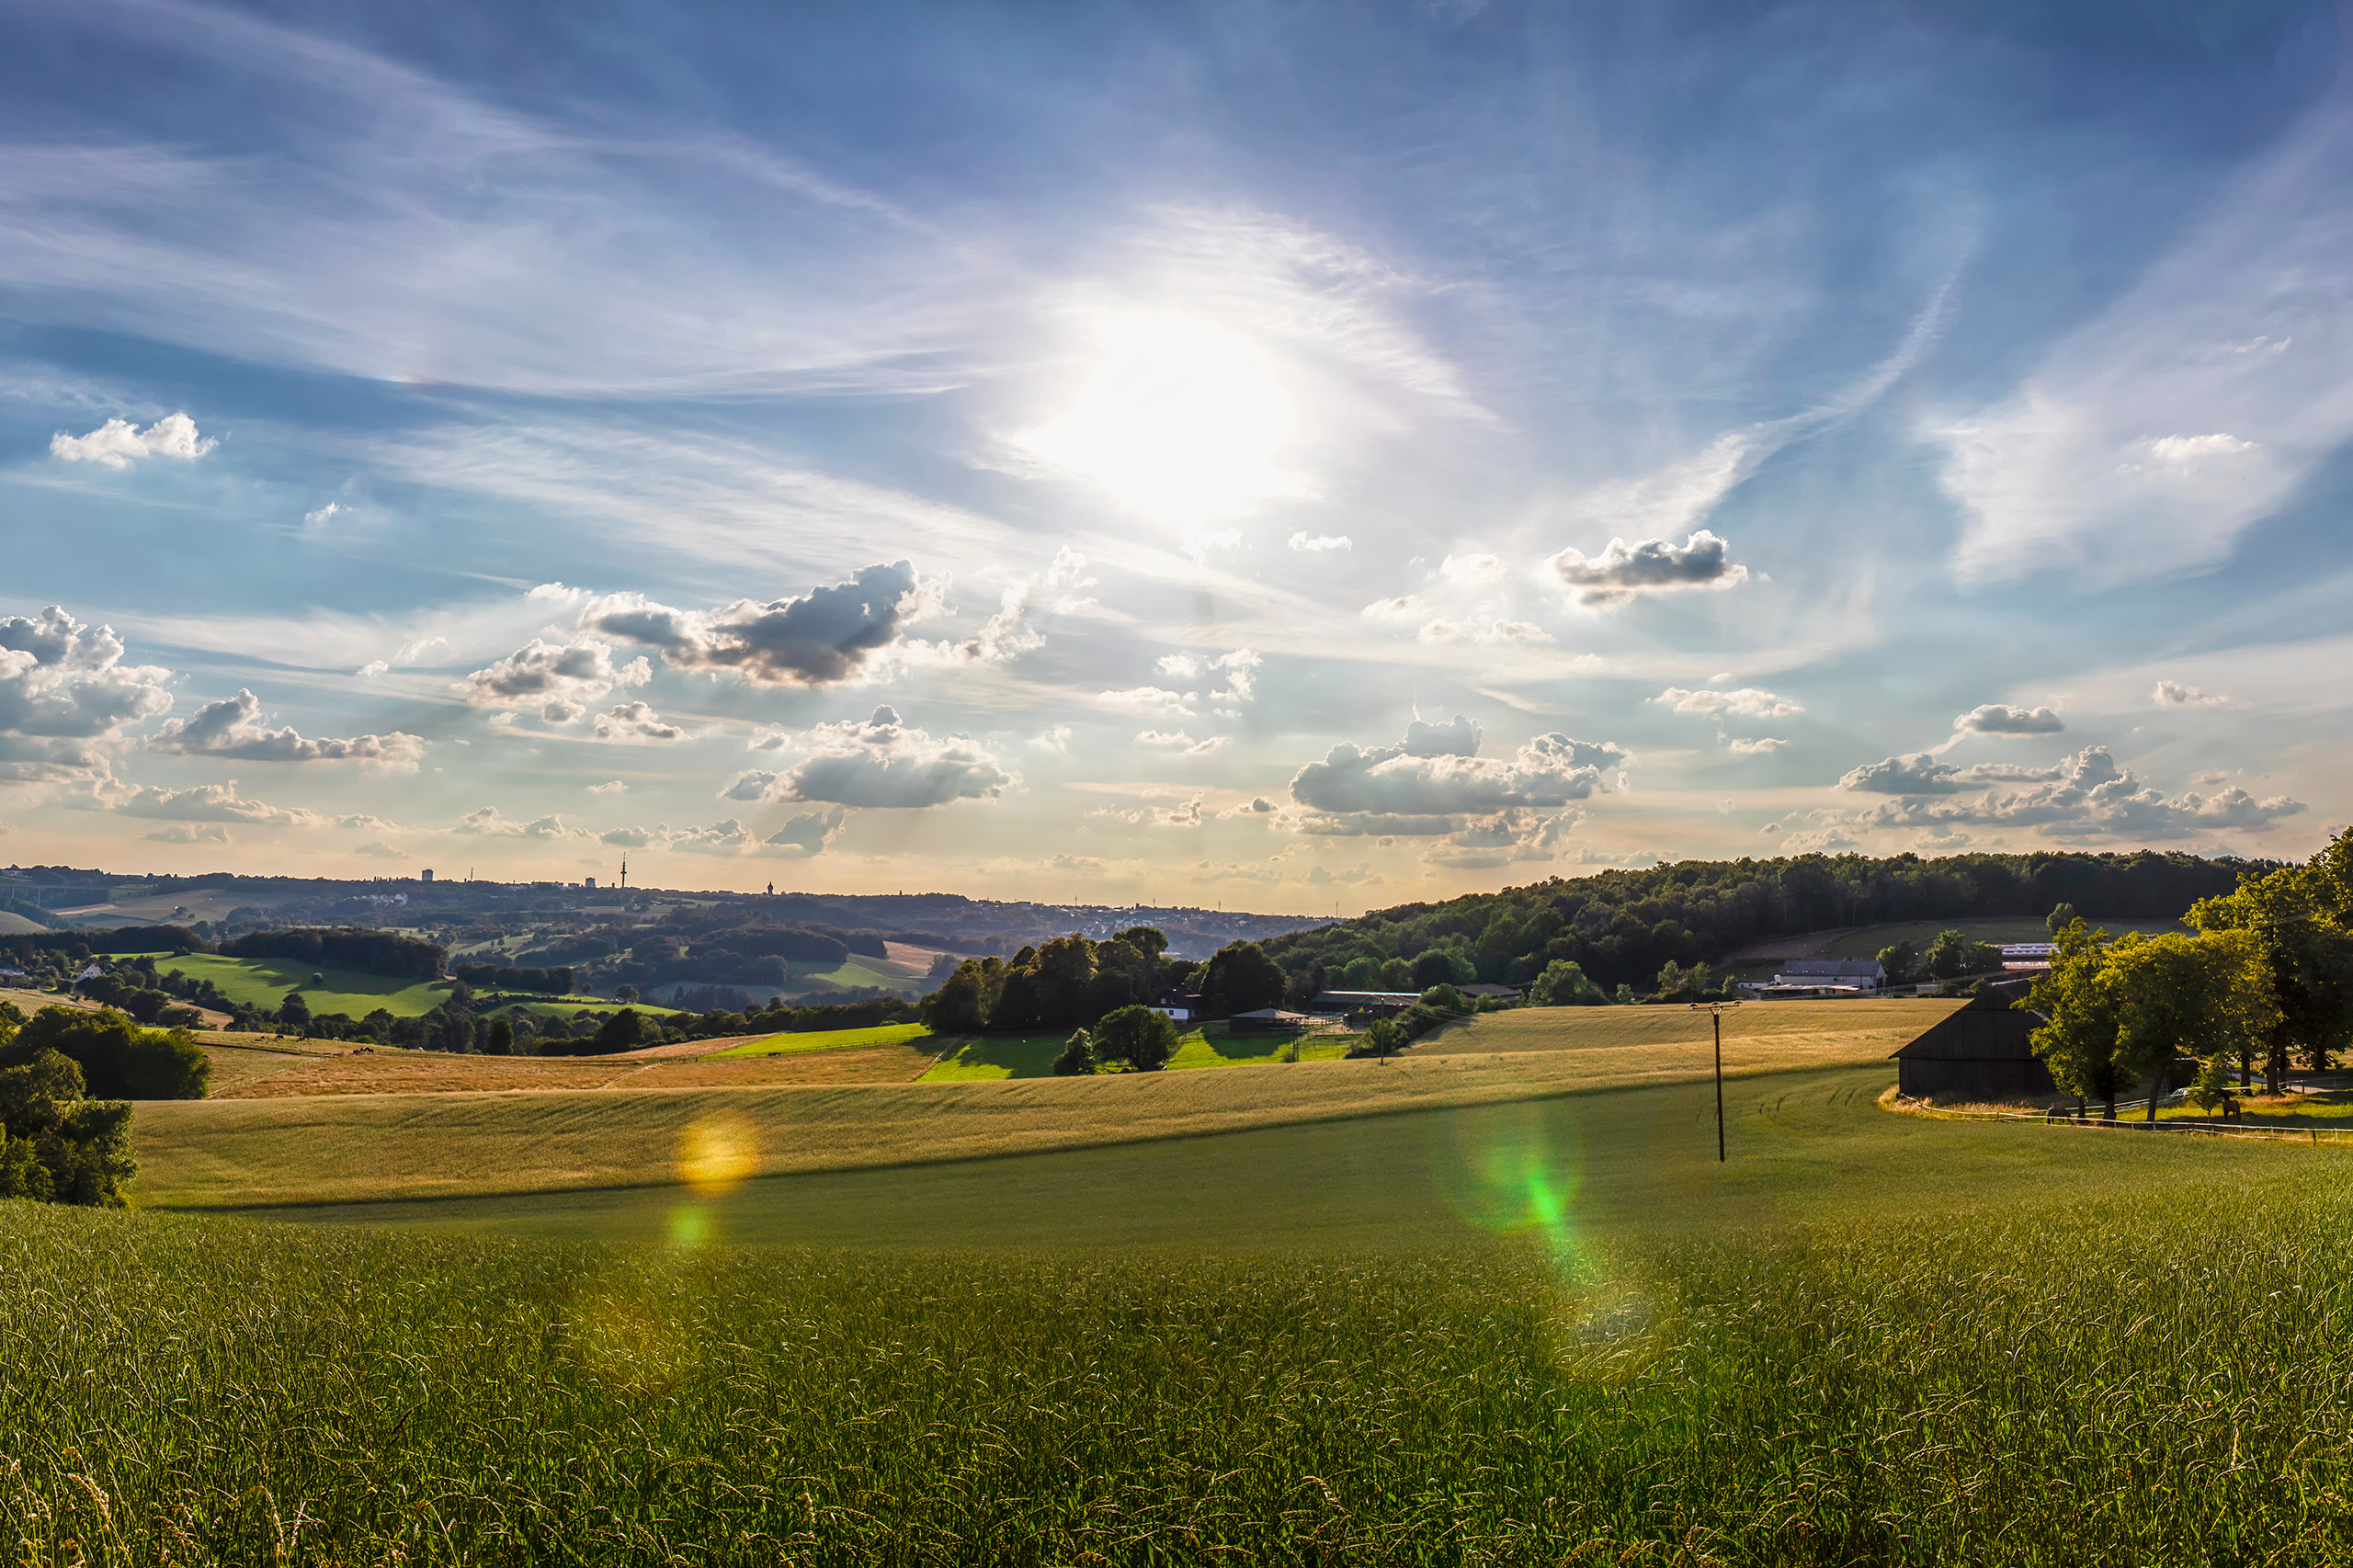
{"points": [[1290, 457]]}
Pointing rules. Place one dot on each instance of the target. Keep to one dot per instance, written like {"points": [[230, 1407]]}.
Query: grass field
{"points": [[264, 983], [1519, 1334], [827, 1040], [1867, 943], [1032, 1056], [343, 1137]]}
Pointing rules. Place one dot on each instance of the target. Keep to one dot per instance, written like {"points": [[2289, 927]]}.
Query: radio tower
{"points": [[624, 873]]}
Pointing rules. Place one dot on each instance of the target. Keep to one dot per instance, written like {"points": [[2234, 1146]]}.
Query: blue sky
{"points": [[1289, 456]]}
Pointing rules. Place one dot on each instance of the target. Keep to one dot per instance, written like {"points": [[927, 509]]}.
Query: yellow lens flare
{"points": [[716, 1152]]}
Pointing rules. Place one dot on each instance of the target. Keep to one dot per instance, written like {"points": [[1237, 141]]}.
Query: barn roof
{"points": [[1985, 1030]]}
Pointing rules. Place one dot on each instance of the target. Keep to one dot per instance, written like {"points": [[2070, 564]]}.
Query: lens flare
{"points": [[690, 1226], [1510, 1170], [716, 1152]]}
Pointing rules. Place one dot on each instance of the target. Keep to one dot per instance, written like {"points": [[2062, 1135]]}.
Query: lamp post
{"points": [[1716, 1011]]}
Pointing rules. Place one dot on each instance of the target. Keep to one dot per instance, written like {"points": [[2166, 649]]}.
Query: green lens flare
{"points": [[690, 1226], [1510, 1170]]}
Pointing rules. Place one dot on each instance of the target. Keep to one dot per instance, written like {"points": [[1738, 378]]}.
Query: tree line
{"points": [[1074, 981], [1624, 928], [67, 1078]]}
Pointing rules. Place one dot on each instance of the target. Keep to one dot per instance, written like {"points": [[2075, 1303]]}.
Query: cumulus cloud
{"points": [[1151, 700], [1458, 736], [1502, 839], [189, 832], [1184, 666], [118, 443], [880, 762], [1190, 813], [233, 727], [558, 679], [826, 637], [1241, 668], [1405, 606], [636, 722], [1005, 635], [1318, 543], [1177, 740], [203, 802], [1747, 703], [2084, 796], [2000, 719], [2173, 694], [66, 696], [1624, 571], [609, 786], [807, 834], [1055, 739], [1477, 569], [1425, 791], [488, 822], [1760, 746], [1920, 773], [325, 515], [376, 850]]}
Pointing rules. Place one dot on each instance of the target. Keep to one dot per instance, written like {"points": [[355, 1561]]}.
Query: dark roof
{"points": [[1987, 1030]]}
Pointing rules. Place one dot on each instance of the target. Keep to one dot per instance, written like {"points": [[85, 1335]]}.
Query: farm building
{"points": [[1375, 1003], [1979, 1052], [1489, 992], [1267, 1020], [1820, 977]]}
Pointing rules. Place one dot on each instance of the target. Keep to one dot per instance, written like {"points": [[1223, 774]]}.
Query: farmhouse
{"points": [[1979, 1052], [1820, 977], [1179, 1006]]}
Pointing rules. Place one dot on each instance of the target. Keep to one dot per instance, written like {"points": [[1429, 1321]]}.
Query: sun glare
{"points": [[1178, 418]]}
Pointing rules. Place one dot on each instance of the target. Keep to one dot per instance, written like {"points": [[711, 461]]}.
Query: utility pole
{"points": [[1716, 1011]]}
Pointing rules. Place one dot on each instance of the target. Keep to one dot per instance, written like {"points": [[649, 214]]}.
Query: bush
{"points": [[1078, 1058], [118, 1059], [1141, 1037]]}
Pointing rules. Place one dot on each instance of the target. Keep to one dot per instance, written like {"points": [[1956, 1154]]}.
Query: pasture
{"points": [[826, 1040], [264, 983]]}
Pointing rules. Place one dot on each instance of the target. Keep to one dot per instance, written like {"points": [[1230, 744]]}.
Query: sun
{"points": [[1177, 418]]}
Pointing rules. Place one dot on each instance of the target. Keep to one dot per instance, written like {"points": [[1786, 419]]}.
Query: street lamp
{"points": [[1716, 1011]]}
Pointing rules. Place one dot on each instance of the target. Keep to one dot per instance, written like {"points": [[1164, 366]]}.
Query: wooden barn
{"points": [[1979, 1052]]}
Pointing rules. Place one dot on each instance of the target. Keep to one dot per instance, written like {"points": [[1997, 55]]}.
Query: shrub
{"points": [[1142, 1038], [1078, 1058]]}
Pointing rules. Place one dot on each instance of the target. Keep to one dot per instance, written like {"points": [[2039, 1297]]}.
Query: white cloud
{"points": [[1745, 703], [1151, 700], [2173, 694], [325, 515], [1373, 790], [609, 786], [233, 727], [189, 832], [376, 850], [371, 669], [1318, 543], [1405, 606], [203, 802], [2000, 719], [1480, 569], [636, 722], [880, 762], [1055, 739], [2197, 402], [488, 822], [1624, 571], [2084, 796], [541, 674], [118, 443], [1760, 746], [66, 696], [1184, 666], [1177, 740], [826, 637], [1241, 667]]}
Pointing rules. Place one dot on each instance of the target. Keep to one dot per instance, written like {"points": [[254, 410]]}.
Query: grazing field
{"points": [[1867, 942], [1519, 1334], [827, 1040], [343, 1141], [1032, 1056], [1203, 1049]]}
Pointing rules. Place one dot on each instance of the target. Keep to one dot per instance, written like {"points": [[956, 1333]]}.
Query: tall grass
{"points": [[2127, 1382]]}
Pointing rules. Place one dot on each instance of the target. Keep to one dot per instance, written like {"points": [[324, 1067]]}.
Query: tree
{"points": [[1952, 955], [2077, 1039], [294, 1012], [1243, 979], [1139, 1035], [116, 1058], [2172, 994], [1563, 984], [960, 1005], [502, 1039], [2061, 917], [56, 1146], [2297, 918], [625, 994], [1901, 963], [1443, 966], [622, 1031], [2213, 1081], [1077, 1060], [1680, 982]]}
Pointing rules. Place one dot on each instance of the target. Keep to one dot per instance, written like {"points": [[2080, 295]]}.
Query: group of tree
{"points": [[554, 981], [1950, 956], [1135, 1038], [1621, 928], [2265, 976], [345, 946], [1072, 982], [67, 1078]]}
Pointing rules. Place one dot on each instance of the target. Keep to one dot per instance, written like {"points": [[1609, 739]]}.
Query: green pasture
{"points": [[1001, 1056], [1867, 943], [264, 983], [1543, 1333], [1201, 1048], [826, 1040]]}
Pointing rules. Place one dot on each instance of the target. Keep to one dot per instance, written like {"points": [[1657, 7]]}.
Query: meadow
{"points": [[1539, 1332], [264, 983]]}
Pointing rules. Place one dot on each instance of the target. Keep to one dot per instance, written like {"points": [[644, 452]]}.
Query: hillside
{"points": [[1622, 927]]}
